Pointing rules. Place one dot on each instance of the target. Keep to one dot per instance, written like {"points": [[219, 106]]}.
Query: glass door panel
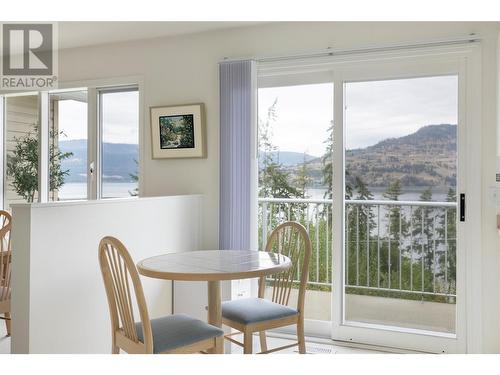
{"points": [[401, 204], [295, 178]]}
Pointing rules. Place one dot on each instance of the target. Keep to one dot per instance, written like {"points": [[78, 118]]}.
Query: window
{"points": [[119, 113], [81, 128], [68, 145]]}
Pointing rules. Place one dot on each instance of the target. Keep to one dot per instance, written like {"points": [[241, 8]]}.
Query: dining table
{"points": [[213, 266]]}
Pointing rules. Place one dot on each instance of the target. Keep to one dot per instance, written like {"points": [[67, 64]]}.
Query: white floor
{"points": [[312, 347], [4, 340], [272, 342]]}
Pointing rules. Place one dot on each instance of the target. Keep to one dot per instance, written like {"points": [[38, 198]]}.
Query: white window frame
{"points": [[94, 132], [99, 136], [468, 56]]}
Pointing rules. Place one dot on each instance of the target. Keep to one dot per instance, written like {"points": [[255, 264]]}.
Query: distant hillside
{"points": [[286, 158], [118, 159], [426, 158]]}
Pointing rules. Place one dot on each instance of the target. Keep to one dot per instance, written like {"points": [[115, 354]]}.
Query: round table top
{"points": [[213, 265]]}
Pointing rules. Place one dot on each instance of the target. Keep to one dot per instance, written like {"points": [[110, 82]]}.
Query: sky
{"points": [[375, 110], [119, 118], [303, 114]]}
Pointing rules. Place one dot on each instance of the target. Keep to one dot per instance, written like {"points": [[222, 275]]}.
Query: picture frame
{"points": [[178, 131]]}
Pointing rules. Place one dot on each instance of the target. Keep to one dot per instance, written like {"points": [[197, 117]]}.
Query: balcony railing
{"points": [[402, 249]]}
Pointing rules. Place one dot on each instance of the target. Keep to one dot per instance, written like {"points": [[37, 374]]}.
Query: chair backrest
{"points": [[5, 255], [118, 272], [5, 218], [292, 240]]}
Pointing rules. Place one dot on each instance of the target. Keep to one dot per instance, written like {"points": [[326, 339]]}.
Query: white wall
{"points": [[59, 302], [184, 69]]}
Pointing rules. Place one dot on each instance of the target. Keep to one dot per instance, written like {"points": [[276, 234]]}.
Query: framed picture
{"points": [[178, 131]]}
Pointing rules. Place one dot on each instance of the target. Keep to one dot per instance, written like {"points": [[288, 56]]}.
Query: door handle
{"points": [[462, 207]]}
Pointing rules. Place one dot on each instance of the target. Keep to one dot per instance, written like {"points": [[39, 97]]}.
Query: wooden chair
{"points": [[170, 334], [251, 315], [5, 267]]}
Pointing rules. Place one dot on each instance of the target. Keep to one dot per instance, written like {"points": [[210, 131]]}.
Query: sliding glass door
{"points": [[400, 280], [401, 203], [383, 197], [295, 176]]}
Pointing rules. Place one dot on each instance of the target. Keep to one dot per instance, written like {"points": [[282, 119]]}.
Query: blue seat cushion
{"points": [[254, 310], [174, 331]]}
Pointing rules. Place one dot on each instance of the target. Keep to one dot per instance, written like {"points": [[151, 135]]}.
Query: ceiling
{"points": [[78, 34]]}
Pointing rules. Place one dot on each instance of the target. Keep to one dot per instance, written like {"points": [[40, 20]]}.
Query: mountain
{"points": [[426, 158], [421, 159], [286, 158], [119, 160]]}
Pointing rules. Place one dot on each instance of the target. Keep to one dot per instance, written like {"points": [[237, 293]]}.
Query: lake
{"points": [[410, 194], [78, 190]]}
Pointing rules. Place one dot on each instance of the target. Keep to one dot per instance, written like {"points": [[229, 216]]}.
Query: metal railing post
{"points": [[264, 225], [308, 210]]}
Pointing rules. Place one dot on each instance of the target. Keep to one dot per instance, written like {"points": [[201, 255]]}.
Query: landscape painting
{"points": [[176, 132]]}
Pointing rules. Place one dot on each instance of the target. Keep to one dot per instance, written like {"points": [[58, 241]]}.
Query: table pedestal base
{"points": [[215, 313]]}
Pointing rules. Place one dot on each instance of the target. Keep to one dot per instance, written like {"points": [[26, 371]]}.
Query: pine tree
{"points": [[274, 181], [361, 221], [362, 193], [447, 231], [423, 229], [393, 191], [303, 180], [327, 170], [328, 163], [361, 189], [451, 224], [265, 145], [396, 229], [394, 212]]}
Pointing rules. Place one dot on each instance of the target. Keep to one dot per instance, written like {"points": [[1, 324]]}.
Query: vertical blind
{"points": [[237, 142]]}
